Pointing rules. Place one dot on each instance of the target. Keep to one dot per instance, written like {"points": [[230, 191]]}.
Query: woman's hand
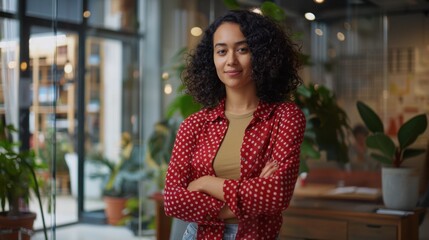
{"points": [[197, 184], [269, 169], [210, 185]]}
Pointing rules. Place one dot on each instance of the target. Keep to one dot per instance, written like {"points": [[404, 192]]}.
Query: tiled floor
{"points": [[66, 209], [91, 232], [67, 214]]}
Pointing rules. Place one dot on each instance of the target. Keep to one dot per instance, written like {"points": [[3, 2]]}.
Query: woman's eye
{"points": [[221, 52], [243, 50]]}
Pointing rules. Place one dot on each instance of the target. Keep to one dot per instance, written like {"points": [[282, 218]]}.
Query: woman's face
{"points": [[231, 56]]}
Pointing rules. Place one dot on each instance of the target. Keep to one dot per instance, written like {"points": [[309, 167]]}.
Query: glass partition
{"points": [[53, 114], [8, 5], [367, 57], [114, 14], [111, 110], [9, 70], [65, 10], [43, 84]]}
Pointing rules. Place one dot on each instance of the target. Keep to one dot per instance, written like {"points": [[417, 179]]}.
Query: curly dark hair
{"points": [[275, 61]]}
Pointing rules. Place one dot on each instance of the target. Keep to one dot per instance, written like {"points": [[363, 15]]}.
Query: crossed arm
{"points": [[213, 186]]}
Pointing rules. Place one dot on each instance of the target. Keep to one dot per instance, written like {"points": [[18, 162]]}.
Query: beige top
{"points": [[227, 161]]}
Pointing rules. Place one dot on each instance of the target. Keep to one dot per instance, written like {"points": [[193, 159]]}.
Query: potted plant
{"points": [[123, 179], [157, 154], [399, 184], [17, 180]]}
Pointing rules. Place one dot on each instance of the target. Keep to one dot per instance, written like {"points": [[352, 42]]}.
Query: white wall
{"points": [[112, 97]]}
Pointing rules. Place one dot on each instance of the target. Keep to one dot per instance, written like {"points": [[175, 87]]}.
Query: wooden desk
{"points": [[331, 191], [330, 219]]}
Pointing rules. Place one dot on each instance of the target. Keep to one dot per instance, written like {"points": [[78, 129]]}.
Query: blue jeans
{"points": [[229, 233]]}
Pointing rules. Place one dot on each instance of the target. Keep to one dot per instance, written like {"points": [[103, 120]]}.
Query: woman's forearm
{"points": [[210, 185]]}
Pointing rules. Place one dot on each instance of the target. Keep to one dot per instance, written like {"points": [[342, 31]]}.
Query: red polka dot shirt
{"points": [[275, 133]]}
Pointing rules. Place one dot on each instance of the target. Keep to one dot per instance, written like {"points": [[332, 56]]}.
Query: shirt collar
{"points": [[263, 111]]}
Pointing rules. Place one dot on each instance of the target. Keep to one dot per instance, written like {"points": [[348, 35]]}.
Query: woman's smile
{"points": [[233, 73]]}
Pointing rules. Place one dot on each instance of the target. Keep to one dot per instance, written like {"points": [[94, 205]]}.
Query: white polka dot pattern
{"points": [[275, 133]]}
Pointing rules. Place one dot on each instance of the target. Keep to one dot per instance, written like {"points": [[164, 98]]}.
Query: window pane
{"points": [[8, 5], [52, 115], [67, 10], [9, 70], [114, 14]]}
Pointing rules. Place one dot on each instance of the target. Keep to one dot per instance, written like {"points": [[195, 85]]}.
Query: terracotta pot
{"points": [[114, 209], [16, 224]]}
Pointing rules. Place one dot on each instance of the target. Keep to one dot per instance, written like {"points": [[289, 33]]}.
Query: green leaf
{"points": [[273, 11], [382, 158], [231, 4], [188, 106], [411, 152], [303, 91], [308, 149], [370, 118], [173, 107], [383, 143], [411, 129], [303, 167]]}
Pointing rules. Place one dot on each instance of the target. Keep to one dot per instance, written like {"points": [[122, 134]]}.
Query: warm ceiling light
{"points": [[196, 31], [319, 1], [341, 36], [68, 67], [23, 66], [309, 16], [165, 75], [11, 65], [168, 89], [86, 14]]}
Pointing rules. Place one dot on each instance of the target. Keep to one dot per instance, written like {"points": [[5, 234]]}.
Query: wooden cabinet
{"points": [[298, 227], [357, 230], [317, 219]]}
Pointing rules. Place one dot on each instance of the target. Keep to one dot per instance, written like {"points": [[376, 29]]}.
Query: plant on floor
{"points": [[137, 218], [124, 178], [387, 152], [17, 178]]}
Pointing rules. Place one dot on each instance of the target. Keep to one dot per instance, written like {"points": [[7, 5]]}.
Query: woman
{"points": [[234, 164]]}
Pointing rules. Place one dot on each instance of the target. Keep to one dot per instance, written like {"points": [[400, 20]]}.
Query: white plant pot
{"points": [[400, 188]]}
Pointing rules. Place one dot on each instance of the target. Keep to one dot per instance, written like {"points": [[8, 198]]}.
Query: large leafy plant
{"points": [[327, 123], [387, 151], [17, 175]]}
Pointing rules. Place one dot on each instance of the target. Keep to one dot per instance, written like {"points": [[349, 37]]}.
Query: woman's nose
{"points": [[231, 58]]}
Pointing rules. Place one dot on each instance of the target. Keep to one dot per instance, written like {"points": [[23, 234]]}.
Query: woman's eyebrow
{"points": [[224, 44]]}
